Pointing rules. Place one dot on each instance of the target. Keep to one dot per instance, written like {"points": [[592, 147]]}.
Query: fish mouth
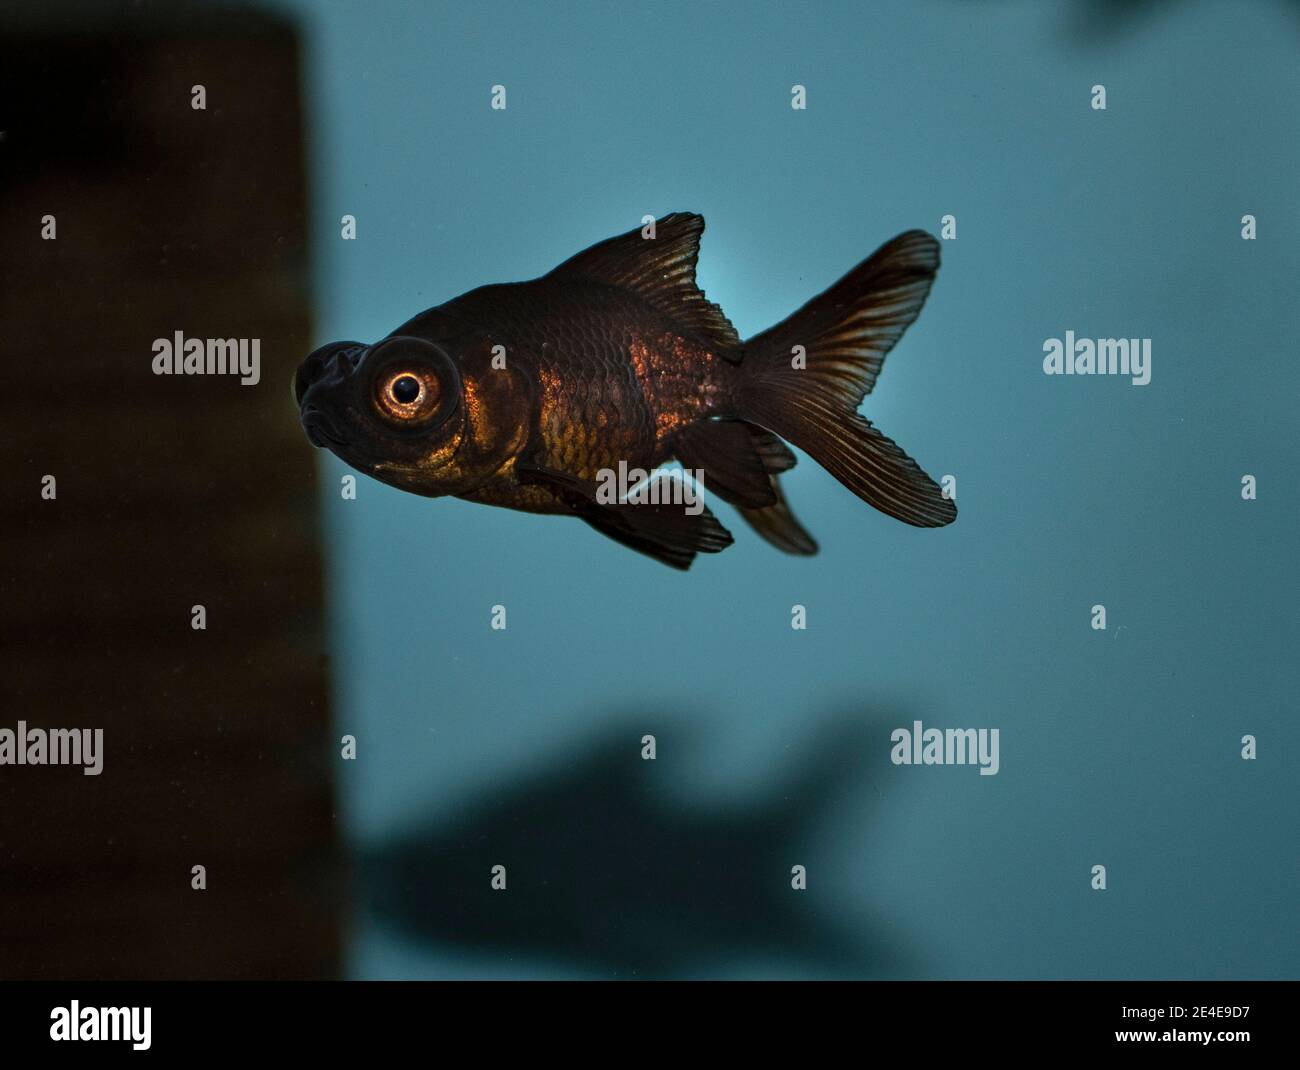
{"points": [[319, 379], [321, 430]]}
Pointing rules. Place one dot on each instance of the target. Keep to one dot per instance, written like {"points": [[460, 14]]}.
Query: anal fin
{"points": [[741, 464], [778, 525]]}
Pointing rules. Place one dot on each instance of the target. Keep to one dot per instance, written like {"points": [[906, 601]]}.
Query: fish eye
{"points": [[408, 395], [412, 384], [405, 389]]}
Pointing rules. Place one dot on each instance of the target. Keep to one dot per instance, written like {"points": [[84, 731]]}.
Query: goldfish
{"points": [[527, 395]]}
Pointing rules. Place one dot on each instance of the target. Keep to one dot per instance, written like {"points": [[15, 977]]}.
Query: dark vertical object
{"points": [[173, 491]]}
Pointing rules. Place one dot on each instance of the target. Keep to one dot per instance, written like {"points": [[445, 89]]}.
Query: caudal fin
{"points": [[845, 334]]}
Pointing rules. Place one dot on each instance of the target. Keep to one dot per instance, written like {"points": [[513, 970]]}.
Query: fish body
{"points": [[613, 378], [527, 395]]}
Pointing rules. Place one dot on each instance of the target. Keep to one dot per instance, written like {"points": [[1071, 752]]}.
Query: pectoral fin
{"points": [[666, 532]]}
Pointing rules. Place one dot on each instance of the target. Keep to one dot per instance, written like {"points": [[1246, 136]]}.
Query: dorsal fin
{"points": [[659, 270]]}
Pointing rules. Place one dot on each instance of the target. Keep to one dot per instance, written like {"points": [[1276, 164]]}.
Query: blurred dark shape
{"points": [[172, 491], [1102, 21], [615, 868]]}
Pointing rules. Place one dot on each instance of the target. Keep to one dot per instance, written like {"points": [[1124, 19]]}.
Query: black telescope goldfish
{"points": [[528, 395]]}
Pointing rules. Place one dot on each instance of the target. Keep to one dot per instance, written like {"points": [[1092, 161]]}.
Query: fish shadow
{"points": [[618, 866], [1092, 24]]}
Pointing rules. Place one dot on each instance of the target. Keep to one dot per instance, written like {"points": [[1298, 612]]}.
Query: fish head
{"points": [[432, 417], [394, 410]]}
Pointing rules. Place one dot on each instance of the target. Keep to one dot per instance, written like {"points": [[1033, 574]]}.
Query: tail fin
{"points": [[845, 334]]}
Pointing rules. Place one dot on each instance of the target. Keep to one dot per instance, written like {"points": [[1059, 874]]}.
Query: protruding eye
{"points": [[414, 384], [405, 389]]}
